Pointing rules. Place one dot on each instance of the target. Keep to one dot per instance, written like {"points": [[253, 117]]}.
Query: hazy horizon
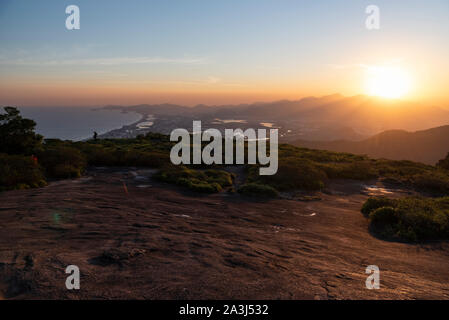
{"points": [[240, 103]]}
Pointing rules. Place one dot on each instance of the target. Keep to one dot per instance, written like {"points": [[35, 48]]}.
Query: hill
{"points": [[426, 146]]}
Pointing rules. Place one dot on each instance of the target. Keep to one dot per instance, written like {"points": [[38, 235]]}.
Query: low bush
{"points": [[434, 182], [19, 172], [383, 216], [62, 162], [412, 219], [374, 203], [362, 170], [291, 175], [258, 190], [207, 181], [421, 177], [199, 185], [113, 152]]}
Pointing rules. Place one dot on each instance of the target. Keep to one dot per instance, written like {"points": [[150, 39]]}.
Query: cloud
{"points": [[101, 61]]}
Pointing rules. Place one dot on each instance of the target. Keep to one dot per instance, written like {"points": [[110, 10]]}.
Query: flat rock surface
{"points": [[134, 238]]}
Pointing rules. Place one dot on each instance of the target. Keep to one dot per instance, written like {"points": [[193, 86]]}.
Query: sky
{"points": [[217, 52]]}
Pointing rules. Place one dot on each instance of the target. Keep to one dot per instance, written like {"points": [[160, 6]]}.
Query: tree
{"points": [[17, 134], [444, 163]]}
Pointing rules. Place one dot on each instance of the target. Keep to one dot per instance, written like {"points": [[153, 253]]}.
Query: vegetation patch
{"points": [[151, 150], [62, 162], [19, 172], [291, 175], [359, 170], [411, 219], [258, 190], [309, 169], [206, 181]]}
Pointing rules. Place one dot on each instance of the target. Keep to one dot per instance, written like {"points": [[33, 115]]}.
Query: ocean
{"points": [[72, 123]]}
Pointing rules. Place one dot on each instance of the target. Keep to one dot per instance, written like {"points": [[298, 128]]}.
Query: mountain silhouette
{"points": [[364, 114], [426, 146]]}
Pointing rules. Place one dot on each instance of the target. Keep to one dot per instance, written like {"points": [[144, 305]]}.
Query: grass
{"points": [[411, 219]]}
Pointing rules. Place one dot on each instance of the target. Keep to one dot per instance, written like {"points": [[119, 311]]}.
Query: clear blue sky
{"points": [[195, 49]]}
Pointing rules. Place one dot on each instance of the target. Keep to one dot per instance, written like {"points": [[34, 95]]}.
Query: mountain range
{"points": [[426, 146], [380, 128], [364, 114]]}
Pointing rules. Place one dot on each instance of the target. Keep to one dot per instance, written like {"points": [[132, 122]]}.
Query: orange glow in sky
{"points": [[221, 52]]}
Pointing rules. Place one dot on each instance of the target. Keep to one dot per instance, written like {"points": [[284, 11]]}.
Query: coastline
{"points": [[126, 131], [78, 123]]}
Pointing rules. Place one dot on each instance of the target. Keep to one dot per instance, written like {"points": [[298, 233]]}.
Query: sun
{"points": [[387, 82]]}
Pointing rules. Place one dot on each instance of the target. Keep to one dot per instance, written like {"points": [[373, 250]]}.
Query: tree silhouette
{"points": [[17, 134]]}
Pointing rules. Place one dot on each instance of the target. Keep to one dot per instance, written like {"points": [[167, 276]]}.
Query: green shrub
{"points": [[383, 216], [374, 203], [19, 172], [64, 171], [435, 182], [258, 190], [413, 218], [207, 181], [137, 153], [318, 156], [291, 174], [62, 162], [220, 177], [421, 177], [353, 170], [200, 186]]}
